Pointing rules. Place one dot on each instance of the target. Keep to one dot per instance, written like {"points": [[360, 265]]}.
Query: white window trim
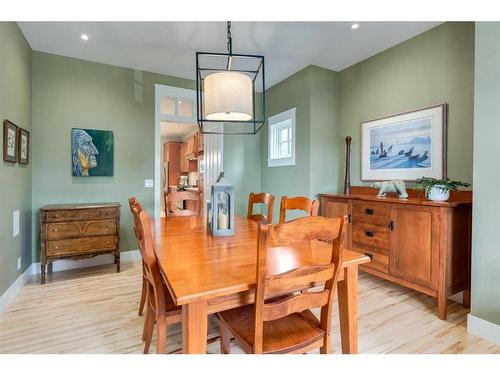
{"points": [[276, 119]]}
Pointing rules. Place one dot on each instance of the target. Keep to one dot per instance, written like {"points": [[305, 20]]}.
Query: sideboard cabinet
{"points": [[78, 231], [417, 243]]}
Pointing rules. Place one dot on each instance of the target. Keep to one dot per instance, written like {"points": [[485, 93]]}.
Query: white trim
{"points": [[14, 288], [62, 265], [483, 328], [288, 115]]}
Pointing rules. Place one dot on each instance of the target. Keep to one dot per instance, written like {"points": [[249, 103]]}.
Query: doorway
{"points": [[185, 159]]}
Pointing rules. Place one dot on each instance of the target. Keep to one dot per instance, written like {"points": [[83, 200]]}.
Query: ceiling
{"points": [[177, 131], [169, 47]]}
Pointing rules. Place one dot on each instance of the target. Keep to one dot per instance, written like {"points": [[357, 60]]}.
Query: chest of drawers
{"points": [[78, 231], [417, 243]]}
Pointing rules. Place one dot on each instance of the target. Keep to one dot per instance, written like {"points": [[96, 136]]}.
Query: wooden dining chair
{"points": [[264, 198], [132, 201], [286, 324], [298, 203], [178, 196], [160, 306]]}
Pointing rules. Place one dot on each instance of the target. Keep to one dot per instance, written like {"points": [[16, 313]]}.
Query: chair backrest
{"points": [[298, 203], [302, 234], [264, 198], [151, 266], [183, 196], [135, 208]]}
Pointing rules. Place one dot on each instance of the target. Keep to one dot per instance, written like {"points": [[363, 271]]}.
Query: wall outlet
{"points": [[15, 223], [148, 183], [18, 263]]}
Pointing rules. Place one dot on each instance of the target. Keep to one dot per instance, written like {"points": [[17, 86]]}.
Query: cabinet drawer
{"points": [[370, 213], [78, 246], [379, 261], [88, 214], [73, 229], [370, 235]]}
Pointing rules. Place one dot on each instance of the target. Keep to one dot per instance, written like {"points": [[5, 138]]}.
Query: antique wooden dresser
{"points": [[417, 243], [78, 231]]}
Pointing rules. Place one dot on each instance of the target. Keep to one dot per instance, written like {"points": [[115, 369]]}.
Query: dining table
{"points": [[206, 274]]}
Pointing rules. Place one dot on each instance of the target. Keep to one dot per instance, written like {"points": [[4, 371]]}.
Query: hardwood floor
{"points": [[94, 310]]}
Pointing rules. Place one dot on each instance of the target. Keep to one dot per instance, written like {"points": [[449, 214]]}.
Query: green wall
{"points": [[76, 93], [313, 92], [15, 179], [485, 294], [431, 68]]}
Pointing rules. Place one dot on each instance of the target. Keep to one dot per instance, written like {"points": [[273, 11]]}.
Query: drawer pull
{"points": [[57, 216], [369, 255], [108, 212], [107, 225], [55, 229], [368, 233], [57, 247], [369, 211]]}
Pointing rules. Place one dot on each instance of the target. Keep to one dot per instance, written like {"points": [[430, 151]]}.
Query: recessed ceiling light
{"points": [[84, 37], [355, 26]]}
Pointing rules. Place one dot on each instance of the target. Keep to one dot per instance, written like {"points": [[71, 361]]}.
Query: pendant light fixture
{"points": [[230, 91]]}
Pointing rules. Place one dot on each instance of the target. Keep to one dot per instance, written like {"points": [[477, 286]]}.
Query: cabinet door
{"points": [[333, 208], [414, 244]]}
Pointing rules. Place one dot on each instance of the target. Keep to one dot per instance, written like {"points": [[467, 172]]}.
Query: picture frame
{"points": [[23, 146], [92, 152], [405, 146], [9, 141]]}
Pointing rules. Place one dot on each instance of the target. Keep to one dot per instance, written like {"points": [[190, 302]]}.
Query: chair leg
{"points": [[161, 344], [327, 345], [225, 338], [143, 296], [147, 334]]}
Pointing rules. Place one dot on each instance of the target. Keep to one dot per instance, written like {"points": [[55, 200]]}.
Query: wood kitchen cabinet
{"points": [[172, 152], [420, 244]]}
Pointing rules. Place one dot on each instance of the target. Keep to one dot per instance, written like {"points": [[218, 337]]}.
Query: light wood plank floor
{"points": [[95, 311]]}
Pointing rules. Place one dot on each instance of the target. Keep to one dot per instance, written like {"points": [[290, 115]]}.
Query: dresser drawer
{"points": [[370, 213], [73, 229], [370, 235], [78, 246], [87, 214], [379, 261]]}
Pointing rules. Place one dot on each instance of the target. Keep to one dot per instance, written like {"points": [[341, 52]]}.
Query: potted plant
{"points": [[438, 190]]}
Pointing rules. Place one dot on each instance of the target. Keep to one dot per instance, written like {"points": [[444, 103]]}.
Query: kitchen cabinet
{"points": [[172, 155], [414, 242]]}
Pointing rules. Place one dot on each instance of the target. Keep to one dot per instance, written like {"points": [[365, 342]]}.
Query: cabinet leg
{"points": [[117, 261], [466, 298], [442, 306], [42, 273]]}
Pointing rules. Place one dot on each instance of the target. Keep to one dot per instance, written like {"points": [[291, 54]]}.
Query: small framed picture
{"points": [[9, 141], [23, 146]]}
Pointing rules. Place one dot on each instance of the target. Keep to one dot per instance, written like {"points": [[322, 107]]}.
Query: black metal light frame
{"points": [[257, 123]]}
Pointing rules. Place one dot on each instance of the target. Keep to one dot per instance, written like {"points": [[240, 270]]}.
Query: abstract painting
{"points": [[405, 146], [92, 152]]}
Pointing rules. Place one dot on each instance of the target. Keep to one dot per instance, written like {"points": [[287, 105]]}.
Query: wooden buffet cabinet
{"points": [[78, 231], [414, 242]]}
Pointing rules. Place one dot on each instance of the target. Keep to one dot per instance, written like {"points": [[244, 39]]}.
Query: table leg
{"points": [[195, 327], [348, 310]]}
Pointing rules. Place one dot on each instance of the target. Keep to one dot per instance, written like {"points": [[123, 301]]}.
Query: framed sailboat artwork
{"points": [[405, 146]]}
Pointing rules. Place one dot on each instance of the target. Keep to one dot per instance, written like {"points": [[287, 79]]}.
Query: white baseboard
{"points": [[62, 265], [68, 264], [483, 328], [14, 288]]}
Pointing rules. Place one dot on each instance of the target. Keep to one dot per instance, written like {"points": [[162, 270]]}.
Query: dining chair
{"points": [[298, 203], [286, 324], [182, 196], [160, 306], [264, 198], [132, 201]]}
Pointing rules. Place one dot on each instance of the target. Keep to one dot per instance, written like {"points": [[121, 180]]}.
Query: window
{"points": [[282, 139]]}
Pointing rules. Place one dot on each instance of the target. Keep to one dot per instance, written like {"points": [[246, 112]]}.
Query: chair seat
{"points": [[288, 334]]}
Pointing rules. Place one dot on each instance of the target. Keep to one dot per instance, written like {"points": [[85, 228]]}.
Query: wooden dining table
{"points": [[207, 274]]}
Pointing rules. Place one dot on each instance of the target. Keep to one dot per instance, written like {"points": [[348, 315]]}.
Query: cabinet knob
{"points": [[57, 247], [55, 229], [107, 225], [107, 242], [368, 233], [369, 255], [57, 216], [369, 211]]}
